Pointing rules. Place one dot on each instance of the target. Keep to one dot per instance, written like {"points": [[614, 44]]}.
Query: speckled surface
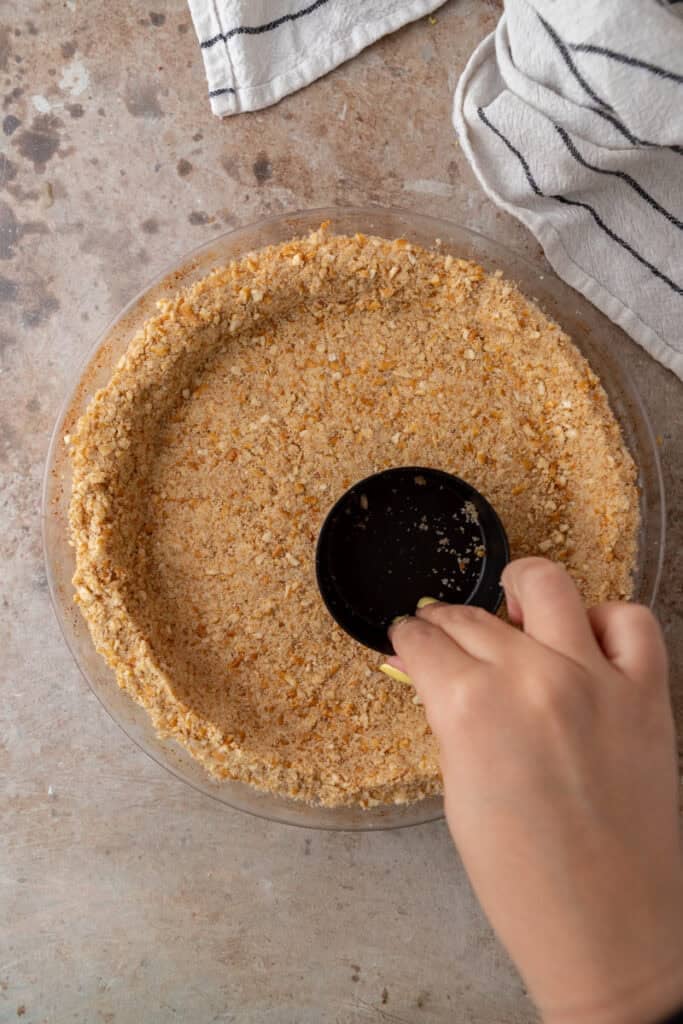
{"points": [[132, 898]]}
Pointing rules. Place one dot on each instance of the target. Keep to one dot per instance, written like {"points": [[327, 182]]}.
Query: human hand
{"points": [[560, 784]]}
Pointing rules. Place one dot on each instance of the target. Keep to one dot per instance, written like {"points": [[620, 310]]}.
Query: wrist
{"points": [[649, 999]]}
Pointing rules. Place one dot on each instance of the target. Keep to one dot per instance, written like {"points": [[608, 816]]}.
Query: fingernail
{"points": [[424, 601], [395, 673], [399, 619]]}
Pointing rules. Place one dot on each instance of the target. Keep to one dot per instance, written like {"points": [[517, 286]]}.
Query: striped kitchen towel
{"points": [[257, 51], [571, 115]]}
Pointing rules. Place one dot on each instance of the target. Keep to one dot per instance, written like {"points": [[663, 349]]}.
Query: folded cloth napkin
{"points": [[571, 115], [257, 51]]}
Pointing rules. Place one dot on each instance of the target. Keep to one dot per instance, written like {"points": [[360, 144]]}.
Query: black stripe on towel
{"points": [[513, 149], [584, 206], [624, 58], [618, 174], [633, 139], [222, 92], [256, 30], [567, 58], [620, 241]]}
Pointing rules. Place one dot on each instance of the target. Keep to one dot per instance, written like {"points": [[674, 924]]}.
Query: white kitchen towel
{"points": [[571, 115], [257, 51]]}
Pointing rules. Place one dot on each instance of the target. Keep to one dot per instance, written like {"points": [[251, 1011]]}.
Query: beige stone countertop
{"points": [[125, 896]]}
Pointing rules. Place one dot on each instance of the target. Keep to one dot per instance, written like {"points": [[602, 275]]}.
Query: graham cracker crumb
{"points": [[203, 471]]}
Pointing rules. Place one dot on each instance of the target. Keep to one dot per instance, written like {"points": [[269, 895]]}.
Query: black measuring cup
{"points": [[401, 535]]}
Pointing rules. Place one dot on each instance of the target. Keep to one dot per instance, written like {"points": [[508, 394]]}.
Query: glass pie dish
{"points": [[597, 338]]}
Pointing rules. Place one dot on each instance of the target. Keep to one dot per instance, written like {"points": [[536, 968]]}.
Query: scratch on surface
{"points": [[42, 104], [75, 78], [377, 1015], [5, 968], [429, 187]]}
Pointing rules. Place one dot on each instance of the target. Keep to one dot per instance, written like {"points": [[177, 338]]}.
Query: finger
{"points": [[551, 608], [631, 638], [514, 609], [430, 658], [476, 631]]}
